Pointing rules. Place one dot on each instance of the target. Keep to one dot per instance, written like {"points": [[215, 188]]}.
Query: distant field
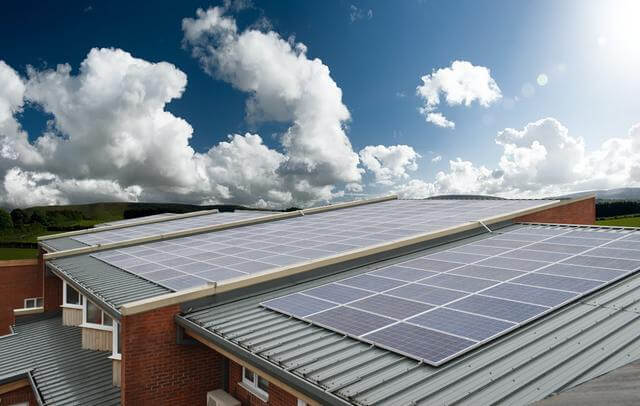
{"points": [[625, 222], [17, 253]]}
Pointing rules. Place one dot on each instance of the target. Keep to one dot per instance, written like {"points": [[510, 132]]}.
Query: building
{"points": [[168, 309]]}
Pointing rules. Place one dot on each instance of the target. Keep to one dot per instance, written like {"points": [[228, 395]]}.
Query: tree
{"points": [[5, 220], [18, 217], [39, 217]]}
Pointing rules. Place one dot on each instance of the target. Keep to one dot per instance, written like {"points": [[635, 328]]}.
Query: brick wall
{"points": [[581, 212], [18, 280], [52, 291], [277, 395], [24, 394], [158, 371]]}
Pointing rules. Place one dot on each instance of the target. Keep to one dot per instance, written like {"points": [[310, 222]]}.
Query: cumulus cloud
{"points": [[461, 83], [541, 159], [436, 159], [111, 137], [389, 164], [284, 85]]}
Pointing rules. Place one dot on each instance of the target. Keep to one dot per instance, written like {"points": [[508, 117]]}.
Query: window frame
{"points": [[35, 302], [115, 337], [95, 326], [252, 385], [64, 297]]}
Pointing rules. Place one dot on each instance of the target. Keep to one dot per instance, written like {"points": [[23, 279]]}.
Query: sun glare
{"points": [[619, 35]]}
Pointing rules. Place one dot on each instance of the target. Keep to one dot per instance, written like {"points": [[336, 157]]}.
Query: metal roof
{"points": [[572, 345], [62, 372], [104, 283]]}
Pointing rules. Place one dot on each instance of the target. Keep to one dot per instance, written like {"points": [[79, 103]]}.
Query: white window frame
{"points": [[95, 326], [115, 336], [35, 302], [252, 385], [302, 402], [64, 297]]}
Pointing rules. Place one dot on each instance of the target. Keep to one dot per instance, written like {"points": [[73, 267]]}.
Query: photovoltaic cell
{"points": [[391, 306], [402, 273], [350, 321], [299, 305], [586, 272], [536, 255], [457, 282], [479, 271], [462, 324], [419, 342], [530, 294], [426, 294], [337, 293], [508, 310], [373, 283], [621, 264], [558, 282], [513, 263]]}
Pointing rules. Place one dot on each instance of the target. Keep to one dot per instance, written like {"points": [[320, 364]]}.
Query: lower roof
{"points": [[62, 372], [572, 345]]}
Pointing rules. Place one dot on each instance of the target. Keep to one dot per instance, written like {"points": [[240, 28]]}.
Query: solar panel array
{"points": [[146, 230], [187, 262], [438, 306]]}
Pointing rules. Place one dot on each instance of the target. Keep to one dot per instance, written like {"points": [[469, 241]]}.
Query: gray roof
{"points": [[62, 372], [569, 346], [618, 387], [103, 282]]}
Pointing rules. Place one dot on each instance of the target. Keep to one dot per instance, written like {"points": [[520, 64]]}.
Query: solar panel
{"points": [[262, 247], [438, 306]]}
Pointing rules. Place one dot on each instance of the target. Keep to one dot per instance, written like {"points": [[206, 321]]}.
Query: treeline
{"points": [[617, 208], [58, 220]]}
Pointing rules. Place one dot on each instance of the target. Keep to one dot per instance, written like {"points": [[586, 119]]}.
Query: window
{"points": [[116, 353], [255, 383], [302, 402], [92, 314], [70, 296], [32, 302]]}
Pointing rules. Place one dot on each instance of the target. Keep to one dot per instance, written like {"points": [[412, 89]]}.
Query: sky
{"points": [[279, 104]]}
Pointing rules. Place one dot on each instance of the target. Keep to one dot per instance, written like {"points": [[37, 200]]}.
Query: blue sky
{"points": [[376, 53]]}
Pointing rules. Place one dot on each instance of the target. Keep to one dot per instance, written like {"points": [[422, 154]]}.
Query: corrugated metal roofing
{"points": [[568, 347], [63, 373], [110, 284]]}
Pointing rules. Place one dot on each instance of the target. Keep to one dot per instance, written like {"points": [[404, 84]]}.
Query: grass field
{"points": [[17, 253], [625, 221]]}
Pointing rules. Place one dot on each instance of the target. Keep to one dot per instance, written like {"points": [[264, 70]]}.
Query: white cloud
{"points": [[389, 164], [436, 159], [284, 85], [439, 120], [462, 83], [111, 137], [542, 159]]}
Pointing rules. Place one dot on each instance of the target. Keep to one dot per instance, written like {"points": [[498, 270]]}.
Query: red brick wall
{"points": [[52, 292], [277, 395], [582, 212], [158, 371], [18, 281], [24, 394]]}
